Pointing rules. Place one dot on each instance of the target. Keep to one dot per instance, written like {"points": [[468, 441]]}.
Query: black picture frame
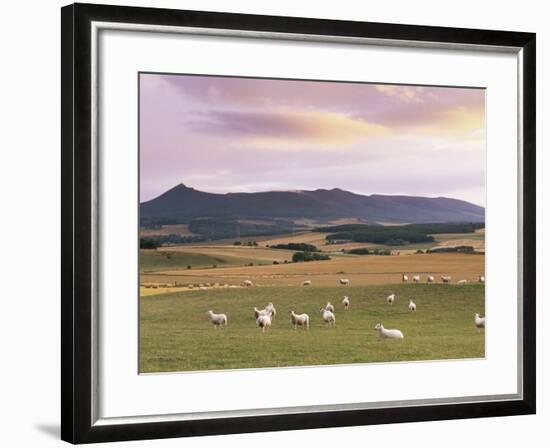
{"points": [[76, 232]]}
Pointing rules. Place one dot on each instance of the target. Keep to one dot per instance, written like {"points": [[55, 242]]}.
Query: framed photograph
{"points": [[276, 223]]}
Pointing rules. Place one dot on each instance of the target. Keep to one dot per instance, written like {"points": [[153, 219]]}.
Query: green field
{"points": [[175, 334], [158, 260]]}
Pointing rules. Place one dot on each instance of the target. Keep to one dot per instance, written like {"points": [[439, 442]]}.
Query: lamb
{"points": [[345, 302], [479, 321], [248, 283], [412, 305], [217, 319], [404, 278], [481, 279], [299, 319], [416, 278], [329, 307], [390, 299], [328, 317], [462, 282], [446, 278], [344, 281], [264, 322], [388, 334], [307, 283], [430, 279]]}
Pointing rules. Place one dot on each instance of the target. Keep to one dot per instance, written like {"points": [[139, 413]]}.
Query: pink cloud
{"points": [[227, 133]]}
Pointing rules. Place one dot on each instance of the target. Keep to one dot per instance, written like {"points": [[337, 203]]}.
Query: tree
{"points": [[148, 243]]}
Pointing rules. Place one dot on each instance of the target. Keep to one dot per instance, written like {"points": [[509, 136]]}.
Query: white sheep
{"points": [[264, 312], [388, 334], [446, 278], [264, 322], [344, 281], [345, 302], [328, 317], [404, 278], [479, 321], [481, 279], [299, 319], [329, 307], [307, 283], [430, 279], [412, 305], [248, 283], [416, 278], [217, 319], [462, 282], [390, 299]]}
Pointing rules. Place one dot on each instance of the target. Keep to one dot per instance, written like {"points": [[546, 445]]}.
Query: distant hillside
{"points": [[183, 204]]}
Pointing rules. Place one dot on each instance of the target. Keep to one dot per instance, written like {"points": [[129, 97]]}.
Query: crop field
{"points": [[176, 335], [360, 270]]}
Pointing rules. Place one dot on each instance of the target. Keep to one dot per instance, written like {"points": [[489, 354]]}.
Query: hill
{"points": [[183, 204]]}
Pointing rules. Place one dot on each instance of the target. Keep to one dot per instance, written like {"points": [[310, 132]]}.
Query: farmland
{"points": [[176, 334], [180, 283]]}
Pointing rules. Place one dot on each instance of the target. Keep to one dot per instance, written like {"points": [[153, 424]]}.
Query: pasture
{"points": [[175, 334]]}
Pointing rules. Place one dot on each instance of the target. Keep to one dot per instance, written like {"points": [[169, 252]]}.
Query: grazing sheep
{"points": [[416, 278], [390, 299], [329, 307], [344, 281], [462, 282], [430, 279], [328, 317], [299, 319], [264, 322], [404, 278], [307, 283], [481, 279], [412, 305], [446, 278], [217, 319], [345, 302], [479, 321], [248, 283], [388, 334]]}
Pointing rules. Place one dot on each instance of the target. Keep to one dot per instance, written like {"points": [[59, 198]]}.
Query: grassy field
{"points": [[161, 260], [175, 334], [170, 229]]}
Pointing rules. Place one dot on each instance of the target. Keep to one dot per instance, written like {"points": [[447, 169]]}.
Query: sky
{"points": [[224, 134]]}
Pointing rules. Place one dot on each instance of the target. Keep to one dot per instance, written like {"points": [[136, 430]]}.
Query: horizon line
{"points": [[308, 191]]}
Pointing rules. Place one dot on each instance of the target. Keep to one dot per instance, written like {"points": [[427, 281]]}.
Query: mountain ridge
{"points": [[182, 203]]}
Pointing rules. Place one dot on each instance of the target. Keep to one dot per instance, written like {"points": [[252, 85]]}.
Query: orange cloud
{"points": [[318, 128]]}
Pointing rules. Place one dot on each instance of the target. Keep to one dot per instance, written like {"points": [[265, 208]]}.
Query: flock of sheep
{"points": [[431, 279], [264, 317]]}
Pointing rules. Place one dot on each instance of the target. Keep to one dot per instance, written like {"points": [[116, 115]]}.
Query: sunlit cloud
{"points": [[289, 129]]}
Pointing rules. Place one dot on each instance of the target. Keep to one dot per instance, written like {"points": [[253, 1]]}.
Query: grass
{"points": [[175, 334], [158, 260]]}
